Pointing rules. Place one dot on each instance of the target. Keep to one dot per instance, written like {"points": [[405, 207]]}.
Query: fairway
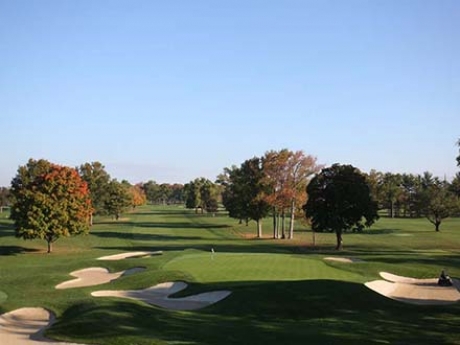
{"points": [[280, 291]]}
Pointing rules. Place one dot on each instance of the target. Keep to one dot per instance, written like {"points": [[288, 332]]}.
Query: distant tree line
{"points": [[49, 201]]}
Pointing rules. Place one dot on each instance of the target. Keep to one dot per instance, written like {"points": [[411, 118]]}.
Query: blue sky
{"points": [[174, 90]]}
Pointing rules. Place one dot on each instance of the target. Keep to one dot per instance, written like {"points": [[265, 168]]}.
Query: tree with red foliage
{"points": [[50, 201]]}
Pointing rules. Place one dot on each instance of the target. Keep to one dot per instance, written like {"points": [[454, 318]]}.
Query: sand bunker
{"points": [[95, 276], [415, 291], [158, 295], [129, 255], [344, 260], [25, 326]]}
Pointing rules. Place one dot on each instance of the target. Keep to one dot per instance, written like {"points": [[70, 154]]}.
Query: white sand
{"points": [[158, 295], [129, 255], [415, 291], [344, 260], [94, 276], [25, 326]]}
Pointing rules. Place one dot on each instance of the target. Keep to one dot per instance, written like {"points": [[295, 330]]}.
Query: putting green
{"points": [[221, 267]]}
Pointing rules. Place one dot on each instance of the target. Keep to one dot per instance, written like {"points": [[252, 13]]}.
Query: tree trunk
{"points": [[291, 222], [259, 228], [275, 230], [437, 224], [91, 219], [338, 234], [283, 226]]}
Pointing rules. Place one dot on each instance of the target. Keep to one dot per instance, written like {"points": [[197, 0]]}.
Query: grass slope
{"points": [[283, 291]]}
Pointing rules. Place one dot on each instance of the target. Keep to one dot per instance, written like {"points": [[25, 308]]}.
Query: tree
{"points": [[4, 197], [137, 194], [437, 202], [274, 165], [201, 193], [118, 198], [98, 180], [455, 185], [339, 199], [287, 174], [458, 157], [391, 191], [244, 191], [50, 201], [300, 169]]}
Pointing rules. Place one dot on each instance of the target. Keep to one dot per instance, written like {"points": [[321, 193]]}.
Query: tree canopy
{"points": [[50, 201], [339, 199]]}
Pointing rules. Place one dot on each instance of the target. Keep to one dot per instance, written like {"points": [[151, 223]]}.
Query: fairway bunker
{"points": [[415, 291], [26, 326], [158, 295], [343, 260], [127, 255], [95, 276]]}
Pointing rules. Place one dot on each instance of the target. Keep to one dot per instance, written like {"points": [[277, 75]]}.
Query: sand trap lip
{"points": [[129, 255], [342, 259], [415, 291], [25, 326], [95, 276], [158, 295]]}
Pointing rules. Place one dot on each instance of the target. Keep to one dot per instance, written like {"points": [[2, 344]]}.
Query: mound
{"points": [[415, 291], [130, 255], [344, 260], [95, 276], [158, 295], [25, 326]]}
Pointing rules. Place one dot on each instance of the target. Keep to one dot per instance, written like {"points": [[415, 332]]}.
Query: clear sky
{"points": [[174, 90]]}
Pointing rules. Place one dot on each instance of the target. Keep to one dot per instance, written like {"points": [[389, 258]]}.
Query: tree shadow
{"points": [[15, 250], [263, 313], [142, 237]]}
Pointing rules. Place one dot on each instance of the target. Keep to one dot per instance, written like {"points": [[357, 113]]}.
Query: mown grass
{"points": [[283, 292]]}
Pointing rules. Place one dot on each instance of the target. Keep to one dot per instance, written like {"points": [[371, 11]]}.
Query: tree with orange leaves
{"points": [[287, 173], [50, 201], [138, 197]]}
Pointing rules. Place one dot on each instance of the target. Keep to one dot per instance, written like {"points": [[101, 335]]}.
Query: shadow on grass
{"points": [[321, 311], [141, 236], [14, 250], [166, 225]]}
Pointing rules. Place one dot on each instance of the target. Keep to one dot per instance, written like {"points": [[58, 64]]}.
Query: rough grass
{"points": [[283, 291]]}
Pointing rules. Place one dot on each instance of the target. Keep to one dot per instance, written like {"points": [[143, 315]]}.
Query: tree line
{"points": [[49, 201]]}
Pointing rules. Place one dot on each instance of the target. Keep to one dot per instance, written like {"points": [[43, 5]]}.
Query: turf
{"points": [[282, 291]]}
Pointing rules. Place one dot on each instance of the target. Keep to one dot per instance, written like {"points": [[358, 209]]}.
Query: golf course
{"points": [[208, 280]]}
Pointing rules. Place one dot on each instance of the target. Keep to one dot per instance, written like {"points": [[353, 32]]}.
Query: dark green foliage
{"points": [[98, 180], [243, 195], [202, 194], [339, 199]]}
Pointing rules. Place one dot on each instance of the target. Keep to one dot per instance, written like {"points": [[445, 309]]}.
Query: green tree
{"points": [[98, 180], [436, 202], [4, 197], [118, 198], [201, 193], [244, 191], [458, 157], [455, 185], [50, 201], [339, 199], [391, 188]]}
